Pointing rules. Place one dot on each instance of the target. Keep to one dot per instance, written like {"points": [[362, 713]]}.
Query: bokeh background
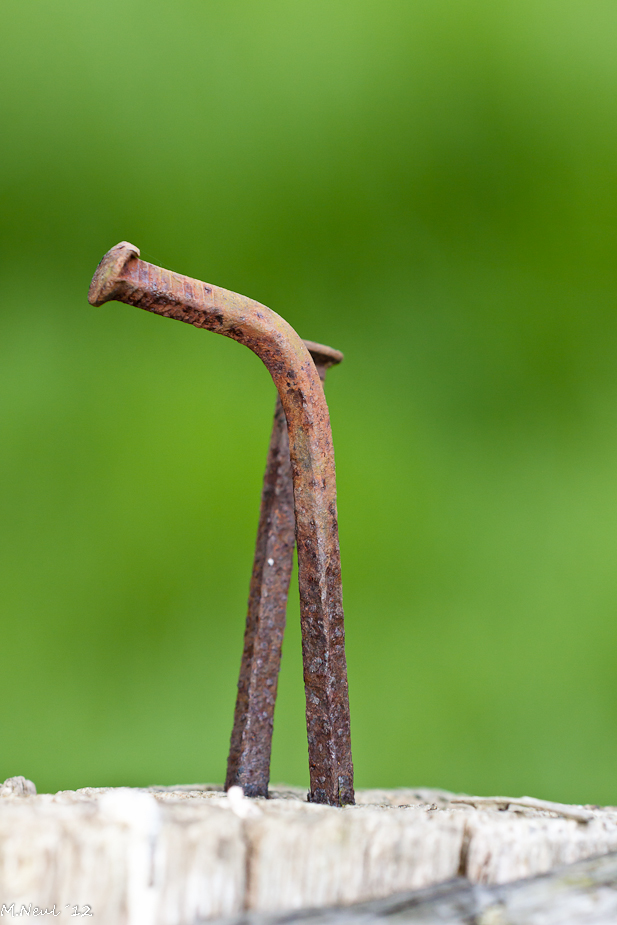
{"points": [[428, 185]]}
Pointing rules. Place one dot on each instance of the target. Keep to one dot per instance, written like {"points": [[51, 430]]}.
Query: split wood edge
{"points": [[185, 855]]}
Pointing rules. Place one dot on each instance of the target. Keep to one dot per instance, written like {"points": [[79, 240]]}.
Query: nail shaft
{"points": [[248, 765], [123, 276]]}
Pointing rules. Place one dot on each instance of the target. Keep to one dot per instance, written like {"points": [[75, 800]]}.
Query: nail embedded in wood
{"points": [[121, 275], [248, 765]]}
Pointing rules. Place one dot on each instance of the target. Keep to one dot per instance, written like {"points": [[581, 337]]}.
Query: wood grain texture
{"points": [[580, 894], [185, 855]]}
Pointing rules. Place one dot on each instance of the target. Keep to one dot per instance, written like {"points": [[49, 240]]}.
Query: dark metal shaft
{"points": [[248, 765], [123, 276]]}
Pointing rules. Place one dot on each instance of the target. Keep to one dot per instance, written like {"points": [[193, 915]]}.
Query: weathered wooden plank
{"points": [[584, 893], [179, 856]]}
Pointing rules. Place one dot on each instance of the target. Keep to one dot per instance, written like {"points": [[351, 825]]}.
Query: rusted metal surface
{"points": [[121, 275], [248, 765]]}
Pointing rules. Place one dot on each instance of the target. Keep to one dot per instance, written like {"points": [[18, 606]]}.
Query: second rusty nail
{"points": [[248, 765]]}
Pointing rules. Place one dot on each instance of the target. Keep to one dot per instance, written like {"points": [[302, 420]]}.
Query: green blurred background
{"points": [[429, 186]]}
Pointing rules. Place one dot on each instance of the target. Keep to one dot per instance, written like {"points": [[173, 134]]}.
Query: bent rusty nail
{"points": [[248, 765], [121, 275]]}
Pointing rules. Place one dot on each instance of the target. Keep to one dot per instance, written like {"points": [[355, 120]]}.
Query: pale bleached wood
{"points": [[579, 814], [581, 894], [184, 855], [317, 857]]}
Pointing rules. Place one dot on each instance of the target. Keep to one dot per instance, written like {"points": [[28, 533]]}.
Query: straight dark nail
{"points": [[248, 765]]}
